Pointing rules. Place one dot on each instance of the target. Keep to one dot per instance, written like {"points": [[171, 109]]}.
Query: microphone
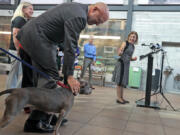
{"points": [[141, 57], [143, 44], [155, 46]]}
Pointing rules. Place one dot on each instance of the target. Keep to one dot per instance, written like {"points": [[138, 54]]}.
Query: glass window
{"points": [[157, 1], [45, 1], [125, 2], [157, 26], [6, 1], [105, 1], [5, 31], [107, 39], [5, 28], [117, 15], [36, 13]]}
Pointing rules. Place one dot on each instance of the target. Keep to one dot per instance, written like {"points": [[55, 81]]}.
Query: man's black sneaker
{"points": [[53, 120], [38, 127], [64, 122]]}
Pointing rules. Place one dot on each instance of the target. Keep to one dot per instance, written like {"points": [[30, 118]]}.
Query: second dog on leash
{"points": [[85, 89]]}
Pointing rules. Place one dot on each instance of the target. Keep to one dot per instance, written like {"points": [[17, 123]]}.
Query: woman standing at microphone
{"points": [[121, 70]]}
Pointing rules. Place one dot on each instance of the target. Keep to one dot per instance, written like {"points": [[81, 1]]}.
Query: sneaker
{"points": [[38, 122], [38, 127], [64, 122], [54, 119]]}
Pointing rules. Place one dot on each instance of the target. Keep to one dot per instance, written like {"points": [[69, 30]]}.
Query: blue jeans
{"points": [[14, 79]]}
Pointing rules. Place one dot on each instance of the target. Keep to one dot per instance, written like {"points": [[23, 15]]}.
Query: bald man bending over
{"points": [[61, 24]]}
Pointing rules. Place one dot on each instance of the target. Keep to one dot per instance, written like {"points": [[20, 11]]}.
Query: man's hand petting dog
{"points": [[74, 84]]}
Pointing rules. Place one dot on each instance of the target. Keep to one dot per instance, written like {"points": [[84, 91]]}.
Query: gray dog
{"points": [[59, 100]]}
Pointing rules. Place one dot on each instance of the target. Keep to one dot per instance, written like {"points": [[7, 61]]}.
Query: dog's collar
{"points": [[62, 85]]}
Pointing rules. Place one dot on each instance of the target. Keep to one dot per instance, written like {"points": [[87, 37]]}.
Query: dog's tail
{"points": [[6, 92]]}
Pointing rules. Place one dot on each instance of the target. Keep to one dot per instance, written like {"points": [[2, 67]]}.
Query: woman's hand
{"points": [[134, 58], [120, 52]]}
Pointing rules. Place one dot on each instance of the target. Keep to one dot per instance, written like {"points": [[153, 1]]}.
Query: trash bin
{"points": [[134, 77]]}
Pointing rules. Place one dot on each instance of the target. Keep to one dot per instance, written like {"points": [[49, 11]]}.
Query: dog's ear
{"points": [[78, 78], [82, 84]]}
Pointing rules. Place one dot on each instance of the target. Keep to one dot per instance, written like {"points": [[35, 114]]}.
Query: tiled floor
{"points": [[98, 114]]}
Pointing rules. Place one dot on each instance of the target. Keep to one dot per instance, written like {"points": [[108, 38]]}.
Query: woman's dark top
{"points": [[18, 22]]}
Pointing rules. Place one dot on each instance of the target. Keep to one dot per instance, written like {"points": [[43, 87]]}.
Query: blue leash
{"points": [[25, 63], [35, 69]]}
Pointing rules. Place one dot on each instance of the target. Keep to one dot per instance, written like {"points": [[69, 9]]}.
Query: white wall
{"points": [[45, 1], [156, 27]]}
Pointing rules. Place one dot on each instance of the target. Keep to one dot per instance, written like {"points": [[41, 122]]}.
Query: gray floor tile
{"points": [[99, 114], [94, 130]]}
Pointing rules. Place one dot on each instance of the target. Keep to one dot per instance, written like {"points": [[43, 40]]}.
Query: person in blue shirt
{"points": [[89, 59], [76, 56]]}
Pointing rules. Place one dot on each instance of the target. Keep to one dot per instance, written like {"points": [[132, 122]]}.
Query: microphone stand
{"points": [[147, 102], [160, 85]]}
